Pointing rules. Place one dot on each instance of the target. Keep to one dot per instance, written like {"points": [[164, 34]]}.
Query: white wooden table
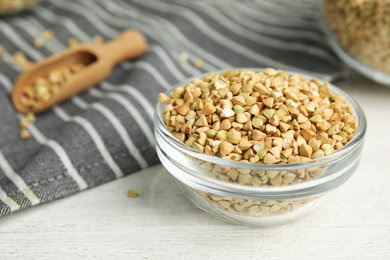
{"points": [[103, 223]]}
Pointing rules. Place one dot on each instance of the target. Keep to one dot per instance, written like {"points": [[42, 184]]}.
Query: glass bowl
{"points": [[249, 202], [359, 33]]}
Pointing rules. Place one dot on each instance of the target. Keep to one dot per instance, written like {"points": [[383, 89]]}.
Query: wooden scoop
{"points": [[99, 59]]}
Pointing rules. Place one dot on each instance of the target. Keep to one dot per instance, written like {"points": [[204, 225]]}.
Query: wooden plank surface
{"points": [[353, 222]]}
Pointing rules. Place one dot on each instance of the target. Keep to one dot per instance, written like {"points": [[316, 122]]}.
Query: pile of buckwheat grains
{"points": [[267, 117], [362, 28]]}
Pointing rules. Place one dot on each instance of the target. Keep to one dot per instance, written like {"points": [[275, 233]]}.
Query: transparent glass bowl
{"points": [[359, 33], [254, 204]]}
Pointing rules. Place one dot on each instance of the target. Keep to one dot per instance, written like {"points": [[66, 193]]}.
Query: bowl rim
{"points": [[212, 183]]}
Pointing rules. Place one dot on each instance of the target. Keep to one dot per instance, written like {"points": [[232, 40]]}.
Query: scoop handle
{"points": [[128, 45]]}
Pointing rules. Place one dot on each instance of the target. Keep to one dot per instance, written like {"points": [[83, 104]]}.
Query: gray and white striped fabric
{"points": [[107, 132]]}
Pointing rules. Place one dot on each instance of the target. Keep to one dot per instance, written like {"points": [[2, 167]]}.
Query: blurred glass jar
{"points": [[359, 32], [11, 7]]}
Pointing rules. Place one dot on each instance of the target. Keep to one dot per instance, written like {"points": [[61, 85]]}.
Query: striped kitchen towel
{"points": [[106, 132]]}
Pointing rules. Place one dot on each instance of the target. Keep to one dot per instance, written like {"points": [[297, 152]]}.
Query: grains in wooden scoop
{"points": [[44, 88], [41, 91]]}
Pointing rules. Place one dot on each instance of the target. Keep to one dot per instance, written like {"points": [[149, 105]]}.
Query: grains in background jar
{"points": [[362, 28]]}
